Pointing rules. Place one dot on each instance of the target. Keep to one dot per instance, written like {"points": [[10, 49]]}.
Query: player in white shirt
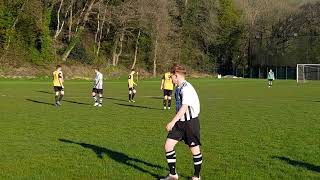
{"points": [[97, 90], [270, 78], [185, 125]]}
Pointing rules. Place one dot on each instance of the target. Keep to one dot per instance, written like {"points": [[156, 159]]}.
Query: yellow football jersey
{"points": [[131, 82], [56, 76], [167, 84]]}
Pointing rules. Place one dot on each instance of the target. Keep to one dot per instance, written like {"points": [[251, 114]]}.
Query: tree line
{"points": [[153, 34]]}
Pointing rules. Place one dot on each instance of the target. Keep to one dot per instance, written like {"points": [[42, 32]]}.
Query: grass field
{"points": [[248, 131]]}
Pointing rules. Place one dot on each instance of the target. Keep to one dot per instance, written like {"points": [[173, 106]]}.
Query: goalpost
{"points": [[308, 72]]}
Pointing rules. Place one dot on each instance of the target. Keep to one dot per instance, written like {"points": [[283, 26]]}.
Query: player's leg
{"points": [[56, 96], [61, 96], [193, 140], [94, 97], [171, 158], [165, 98], [197, 161], [133, 94], [100, 97], [130, 95], [169, 99]]}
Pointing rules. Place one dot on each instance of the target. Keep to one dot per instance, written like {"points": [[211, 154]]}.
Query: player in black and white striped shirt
{"points": [[185, 125], [97, 90]]}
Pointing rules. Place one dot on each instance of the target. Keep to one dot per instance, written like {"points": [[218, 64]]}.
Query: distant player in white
{"points": [[97, 90], [185, 125], [270, 78]]}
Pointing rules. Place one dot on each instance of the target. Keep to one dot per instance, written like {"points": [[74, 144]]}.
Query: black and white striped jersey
{"points": [[98, 81], [186, 94]]}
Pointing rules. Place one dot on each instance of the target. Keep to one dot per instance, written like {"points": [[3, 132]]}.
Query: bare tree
{"points": [[80, 28], [100, 25], [11, 29], [59, 24], [136, 50], [70, 20]]}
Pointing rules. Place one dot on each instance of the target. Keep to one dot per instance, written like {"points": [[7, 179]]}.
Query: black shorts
{"points": [[57, 88], [188, 131], [167, 92], [131, 89], [97, 91], [270, 79]]}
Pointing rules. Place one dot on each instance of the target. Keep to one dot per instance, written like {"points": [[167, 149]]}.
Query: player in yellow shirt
{"points": [[131, 84], [167, 87], [58, 85]]}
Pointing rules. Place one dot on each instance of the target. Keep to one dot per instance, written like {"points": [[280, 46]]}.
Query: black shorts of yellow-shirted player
{"points": [[167, 87], [58, 86], [97, 90], [131, 84], [185, 125]]}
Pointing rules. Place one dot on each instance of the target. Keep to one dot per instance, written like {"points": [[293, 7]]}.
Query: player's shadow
{"points": [[40, 102], [75, 102], [137, 106], [117, 156], [45, 92], [116, 99], [308, 166], [65, 100], [156, 97]]}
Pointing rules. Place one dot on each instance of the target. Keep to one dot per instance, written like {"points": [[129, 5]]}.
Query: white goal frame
{"points": [[301, 72]]}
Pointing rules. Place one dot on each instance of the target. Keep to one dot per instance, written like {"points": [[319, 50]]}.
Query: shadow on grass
{"points": [[117, 156], [40, 102], [69, 101], [156, 97], [115, 99], [45, 92], [75, 102], [136, 106], [308, 166]]}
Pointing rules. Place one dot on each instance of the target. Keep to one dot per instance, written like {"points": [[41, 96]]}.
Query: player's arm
{"points": [[134, 83], [96, 82], [60, 78], [178, 116], [162, 82]]}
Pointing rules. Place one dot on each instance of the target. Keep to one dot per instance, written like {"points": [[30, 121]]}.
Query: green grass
{"points": [[248, 131]]}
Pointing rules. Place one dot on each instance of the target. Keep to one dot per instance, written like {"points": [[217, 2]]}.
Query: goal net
{"points": [[308, 72]]}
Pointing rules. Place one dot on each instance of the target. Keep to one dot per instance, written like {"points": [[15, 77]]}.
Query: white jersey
{"points": [[98, 81], [189, 97], [271, 75]]}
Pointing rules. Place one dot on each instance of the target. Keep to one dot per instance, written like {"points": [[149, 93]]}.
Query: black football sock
{"points": [[133, 95], [169, 103], [100, 99], [197, 160], [171, 159], [95, 98], [164, 102], [129, 97], [60, 97]]}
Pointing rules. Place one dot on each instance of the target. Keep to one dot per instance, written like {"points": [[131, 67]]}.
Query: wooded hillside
{"points": [[153, 34]]}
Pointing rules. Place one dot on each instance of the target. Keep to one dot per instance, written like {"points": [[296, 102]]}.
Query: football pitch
{"points": [[248, 131]]}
